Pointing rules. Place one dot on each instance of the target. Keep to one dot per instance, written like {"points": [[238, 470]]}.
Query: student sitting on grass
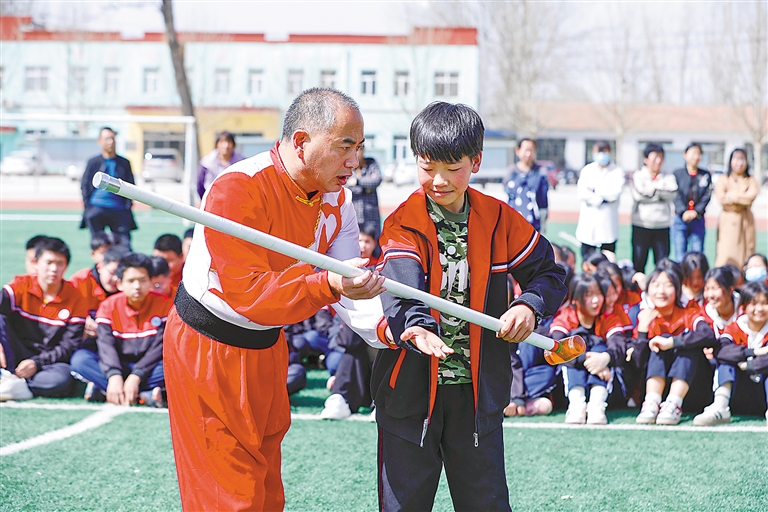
{"points": [[695, 266], [756, 268], [169, 247], [44, 316], [30, 261], [670, 338], [721, 306], [130, 340], [161, 277], [742, 369], [606, 346], [441, 389]]}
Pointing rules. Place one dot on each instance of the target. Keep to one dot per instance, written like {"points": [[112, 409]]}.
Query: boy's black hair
{"points": [[102, 239], [750, 291], [693, 145], [673, 276], [603, 146], [115, 253], [730, 159], [652, 148], [168, 242], [722, 276], [669, 264], [52, 244], [159, 267], [188, 233], [595, 258], [32, 242], [445, 132], [692, 261], [134, 260], [757, 255], [523, 139], [579, 286]]}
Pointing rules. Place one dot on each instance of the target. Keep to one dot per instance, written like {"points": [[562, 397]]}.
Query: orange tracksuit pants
{"points": [[229, 412]]}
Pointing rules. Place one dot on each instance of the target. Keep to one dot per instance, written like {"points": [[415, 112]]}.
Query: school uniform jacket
{"points": [[87, 282], [738, 344], [46, 333], [257, 289], [687, 327], [404, 382], [716, 321], [608, 330], [126, 335]]}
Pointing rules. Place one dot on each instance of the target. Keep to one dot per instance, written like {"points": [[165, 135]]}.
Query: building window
{"points": [[111, 80], [328, 78], [77, 79], [36, 79], [295, 81], [552, 150], [151, 80], [446, 84], [400, 148], [221, 81], [368, 83], [401, 83], [256, 82]]}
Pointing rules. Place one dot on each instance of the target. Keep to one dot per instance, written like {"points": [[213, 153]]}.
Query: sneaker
{"points": [[596, 413], [154, 398], [330, 382], [13, 387], [94, 394], [713, 416], [539, 406], [336, 408], [648, 413], [669, 414], [576, 413]]}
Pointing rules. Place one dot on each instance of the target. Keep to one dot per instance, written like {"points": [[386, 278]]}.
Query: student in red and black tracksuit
{"points": [[130, 339], [441, 390], [606, 347], [44, 317], [670, 338], [742, 369]]}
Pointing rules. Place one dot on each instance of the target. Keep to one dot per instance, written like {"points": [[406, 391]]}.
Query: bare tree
{"points": [[177, 56], [739, 70]]}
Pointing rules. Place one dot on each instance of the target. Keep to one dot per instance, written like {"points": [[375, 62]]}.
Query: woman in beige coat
{"points": [[736, 227]]}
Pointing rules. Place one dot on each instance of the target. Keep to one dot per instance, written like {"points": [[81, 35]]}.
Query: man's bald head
{"points": [[315, 110]]}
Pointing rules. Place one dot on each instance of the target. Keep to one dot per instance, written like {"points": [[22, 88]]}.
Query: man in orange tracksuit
{"points": [[225, 355]]}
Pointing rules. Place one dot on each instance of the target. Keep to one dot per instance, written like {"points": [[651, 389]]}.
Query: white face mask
{"points": [[602, 159], [755, 274]]}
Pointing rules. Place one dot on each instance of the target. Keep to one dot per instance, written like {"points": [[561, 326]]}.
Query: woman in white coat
{"points": [[599, 188]]}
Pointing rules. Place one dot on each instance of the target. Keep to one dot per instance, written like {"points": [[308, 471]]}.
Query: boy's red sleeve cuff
{"points": [[381, 333]]}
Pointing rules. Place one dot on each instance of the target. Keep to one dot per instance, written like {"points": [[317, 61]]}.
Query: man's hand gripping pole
{"points": [[556, 352]]}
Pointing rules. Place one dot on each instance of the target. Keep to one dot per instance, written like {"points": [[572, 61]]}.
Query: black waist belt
{"points": [[203, 321]]}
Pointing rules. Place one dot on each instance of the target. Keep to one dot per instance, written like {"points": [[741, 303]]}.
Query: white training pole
{"points": [[117, 186]]}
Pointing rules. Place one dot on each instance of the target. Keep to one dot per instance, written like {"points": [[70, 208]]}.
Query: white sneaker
{"points": [[648, 413], [576, 413], [713, 416], [596, 413], [13, 387], [669, 414], [336, 408], [330, 382]]}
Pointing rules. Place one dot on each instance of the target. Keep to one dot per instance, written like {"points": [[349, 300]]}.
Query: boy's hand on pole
{"points": [[518, 323], [426, 341], [365, 286]]}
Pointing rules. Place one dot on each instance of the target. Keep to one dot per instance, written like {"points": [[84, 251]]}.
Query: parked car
{"points": [[162, 164], [404, 173], [20, 161]]}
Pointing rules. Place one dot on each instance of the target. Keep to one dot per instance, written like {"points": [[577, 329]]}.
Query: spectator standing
{"points": [[599, 188], [694, 190], [736, 226], [104, 209], [653, 193], [216, 161], [363, 184], [527, 188]]}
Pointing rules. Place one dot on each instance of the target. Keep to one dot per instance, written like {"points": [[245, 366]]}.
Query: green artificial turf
{"points": [[20, 424]]}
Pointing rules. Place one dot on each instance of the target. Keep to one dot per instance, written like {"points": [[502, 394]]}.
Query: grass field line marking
{"points": [[628, 426], [77, 407], [95, 420]]}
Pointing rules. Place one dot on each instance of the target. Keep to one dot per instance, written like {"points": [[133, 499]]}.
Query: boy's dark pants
{"points": [[409, 474]]}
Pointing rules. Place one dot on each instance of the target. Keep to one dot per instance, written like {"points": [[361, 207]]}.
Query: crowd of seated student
{"points": [[662, 342], [103, 327]]}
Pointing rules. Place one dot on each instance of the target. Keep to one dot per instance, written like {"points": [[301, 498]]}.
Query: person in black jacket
{"points": [[104, 209], [694, 190]]}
